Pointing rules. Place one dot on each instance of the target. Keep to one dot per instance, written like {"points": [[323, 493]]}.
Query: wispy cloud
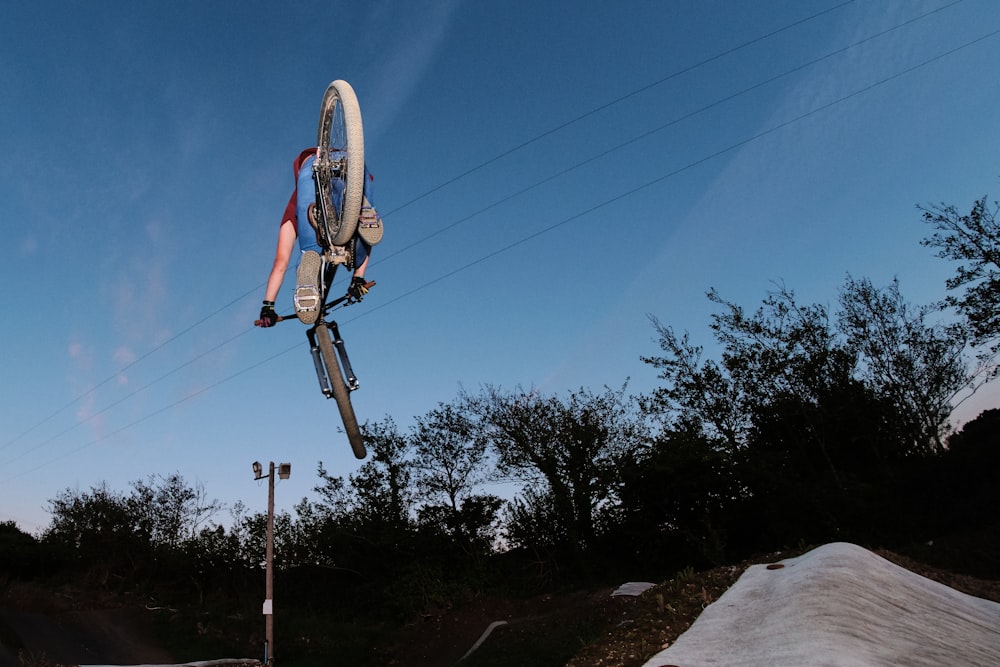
{"points": [[81, 354], [140, 291], [124, 355], [403, 58], [818, 88], [28, 245]]}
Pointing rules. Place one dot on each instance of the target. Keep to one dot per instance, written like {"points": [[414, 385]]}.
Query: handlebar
{"points": [[332, 304]]}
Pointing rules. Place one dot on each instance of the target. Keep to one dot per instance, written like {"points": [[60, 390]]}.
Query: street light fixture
{"points": [[284, 472]]}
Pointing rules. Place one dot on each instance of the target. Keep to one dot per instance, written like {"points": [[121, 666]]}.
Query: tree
{"points": [[81, 519], [695, 392], [784, 354], [20, 555], [171, 510], [450, 463], [974, 241], [783, 349], [383, 490], [363, 522], [101, 529], [569, 452], [787, 356], [813, 415], [134, 533], [677, 497], [786, 380], [919, 366]]}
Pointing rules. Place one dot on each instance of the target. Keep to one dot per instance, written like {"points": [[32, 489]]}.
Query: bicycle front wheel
{"points": [[340, 162], [341, 393]]}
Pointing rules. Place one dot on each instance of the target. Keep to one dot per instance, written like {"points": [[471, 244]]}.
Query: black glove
{"points": [[357, 288], [268, 318]]}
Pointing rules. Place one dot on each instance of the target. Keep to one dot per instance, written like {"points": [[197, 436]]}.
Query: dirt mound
{"points": [[840, 604]]}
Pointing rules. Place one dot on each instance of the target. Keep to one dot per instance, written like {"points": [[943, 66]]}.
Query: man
{"points": [[295, 226]]}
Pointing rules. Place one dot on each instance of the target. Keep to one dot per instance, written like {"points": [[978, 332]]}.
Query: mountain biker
{"points": [[295, 225]]}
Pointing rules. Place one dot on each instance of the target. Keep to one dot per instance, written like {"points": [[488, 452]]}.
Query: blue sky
{"points": [[615, 159]]}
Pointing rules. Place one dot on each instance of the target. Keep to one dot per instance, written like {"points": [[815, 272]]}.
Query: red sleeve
{"points": [[291, 211]]}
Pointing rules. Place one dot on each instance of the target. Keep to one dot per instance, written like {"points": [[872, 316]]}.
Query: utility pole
{"points": [[284, 472]]}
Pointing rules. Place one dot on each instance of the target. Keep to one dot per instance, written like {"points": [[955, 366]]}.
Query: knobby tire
{"points": [[341, 136], [341, 393]]}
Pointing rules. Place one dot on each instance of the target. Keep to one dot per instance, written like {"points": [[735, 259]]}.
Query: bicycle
{"points": [[338, 174]]}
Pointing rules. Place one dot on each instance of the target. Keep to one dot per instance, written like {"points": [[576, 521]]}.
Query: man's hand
{"points": [[357, 289], [268, 318]]}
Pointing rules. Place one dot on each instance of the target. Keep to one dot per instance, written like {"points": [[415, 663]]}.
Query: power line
{"points": [[130, 395], [149, 416], [556, 225], [648, 133], [617, 100], [450, 181], [124, 368], [680, 170]]}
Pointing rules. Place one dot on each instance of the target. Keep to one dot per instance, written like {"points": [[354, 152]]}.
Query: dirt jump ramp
{"points": [[837, 605]]}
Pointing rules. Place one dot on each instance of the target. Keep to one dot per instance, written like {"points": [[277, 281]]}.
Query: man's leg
{"points": [[307, 292]]}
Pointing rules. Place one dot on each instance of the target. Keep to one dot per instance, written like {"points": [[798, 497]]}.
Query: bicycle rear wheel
{"points": [[339, 168], [341, 393]]}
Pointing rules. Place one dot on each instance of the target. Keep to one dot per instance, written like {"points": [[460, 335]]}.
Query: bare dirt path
{"points": [[61, 630]]}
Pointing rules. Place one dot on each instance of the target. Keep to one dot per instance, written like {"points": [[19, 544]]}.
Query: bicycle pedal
{"points": [[306, 298], [338, 255]]}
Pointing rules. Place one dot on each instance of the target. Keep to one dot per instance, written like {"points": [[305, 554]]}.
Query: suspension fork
{"points": [[345, 362], [317, 357], [351, 379]]}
